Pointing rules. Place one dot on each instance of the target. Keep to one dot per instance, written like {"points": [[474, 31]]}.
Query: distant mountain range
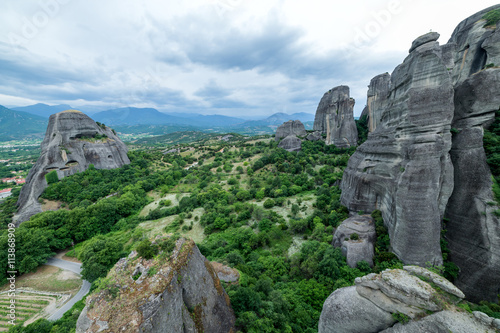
{"points": [[36, 119], [43, 110], [17, 125]]}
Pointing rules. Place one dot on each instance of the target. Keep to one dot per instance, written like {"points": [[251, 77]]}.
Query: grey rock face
{"points": [[378, 92], [443, 322], [185, 295], [291, 143], [356, 248], [424, 39], [68, 149], [314, 136], [335, 118], [404, 168], [345, 311], [473, 233], [291, 127], [403, 292]]}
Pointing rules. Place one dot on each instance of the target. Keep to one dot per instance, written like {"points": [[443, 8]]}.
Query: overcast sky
{"points": [[231, 57]]}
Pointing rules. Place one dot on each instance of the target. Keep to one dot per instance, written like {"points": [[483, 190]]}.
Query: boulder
{"points": [[291, 143], [183, 295], [424, 39], [356, 237], [291, 127], [404, 168], [314, 136], [443, 322], [345, 311], [72, 142], [379, 299], [334, 117]]}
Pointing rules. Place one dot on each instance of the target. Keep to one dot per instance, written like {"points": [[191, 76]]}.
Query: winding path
{"points": [[75, 268]]}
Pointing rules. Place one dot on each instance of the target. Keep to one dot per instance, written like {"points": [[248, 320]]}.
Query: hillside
{"points": [[16, 125]]}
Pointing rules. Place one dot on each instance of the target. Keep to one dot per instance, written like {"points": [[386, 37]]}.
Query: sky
{"points": [[233, 57]]}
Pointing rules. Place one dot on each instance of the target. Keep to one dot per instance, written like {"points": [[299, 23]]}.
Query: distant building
{"points": [[5, 193], [21, 181]]}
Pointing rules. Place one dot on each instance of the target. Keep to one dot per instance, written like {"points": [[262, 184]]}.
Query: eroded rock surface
{"points": [[404, 168], [369, 306], [473, 228], [70, 146], [356, 237], [378, 92], [291, 127], [183, 295], [334, 117], [291, 143]]}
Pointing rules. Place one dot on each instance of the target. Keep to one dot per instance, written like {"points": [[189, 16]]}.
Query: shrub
{"points": [[52, 177], [146, 249], [492, 17], [354, 236], [269, 203]]}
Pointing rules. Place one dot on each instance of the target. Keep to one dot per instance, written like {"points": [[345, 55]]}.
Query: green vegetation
{"points": [[362, 126], [492, 17], [400, 317], [268, 213], [491, 143], [52, 177]]}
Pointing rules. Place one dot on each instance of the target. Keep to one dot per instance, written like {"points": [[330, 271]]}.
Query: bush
{"points": [[269, 203], [146, 249], [492, 17], [52, 177]]}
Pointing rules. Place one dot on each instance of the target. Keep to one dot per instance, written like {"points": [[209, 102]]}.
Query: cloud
{"points": [[230, 57]]}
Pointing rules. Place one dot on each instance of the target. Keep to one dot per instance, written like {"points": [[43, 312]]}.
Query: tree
{"points": [[52, 177]]}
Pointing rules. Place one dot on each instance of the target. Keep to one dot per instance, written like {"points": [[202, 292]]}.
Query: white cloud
{"points": [[209, 56]]}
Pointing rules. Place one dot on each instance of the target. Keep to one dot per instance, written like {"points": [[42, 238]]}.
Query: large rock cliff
{"points": [[72, 142], [412, 169], [335, 118], [424, 299], [473, 228], [177, 292], [404, 168]]}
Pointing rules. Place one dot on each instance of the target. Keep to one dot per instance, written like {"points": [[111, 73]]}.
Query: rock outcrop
{"points": [[473, 228], [72, 142], [378, 92], [356, 237], [291, 127], [335, 118], [377, 300], [179, 292], [291, 143], [404, 168]]}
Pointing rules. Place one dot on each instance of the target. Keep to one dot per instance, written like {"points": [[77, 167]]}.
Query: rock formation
{"points": [[314, 136], [370, 304], [291, 127], [412, 169], [356, 237], [291, 143], [473, 228], [335, 118], [404, 168], [72, 142], [378, 92], [183, 294]]}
